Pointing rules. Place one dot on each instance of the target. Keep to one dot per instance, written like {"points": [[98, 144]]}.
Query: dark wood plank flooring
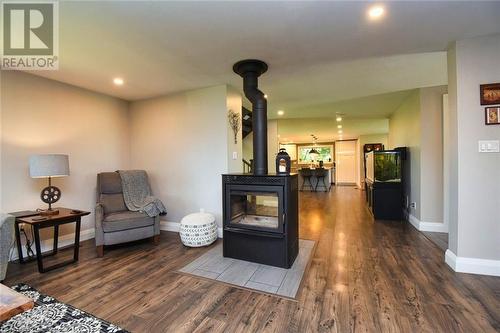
{"points": [[438, 238], [365, 276]]}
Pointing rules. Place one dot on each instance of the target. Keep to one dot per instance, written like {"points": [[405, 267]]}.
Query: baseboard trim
{"points": [[427, 226], [176, 226], [472, 265], [46, 244]]}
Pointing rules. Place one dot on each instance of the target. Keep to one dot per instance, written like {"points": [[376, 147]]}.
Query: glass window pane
{"points": [[255, 209]]}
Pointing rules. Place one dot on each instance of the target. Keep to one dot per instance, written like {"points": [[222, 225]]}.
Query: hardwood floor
{"points": [[438, 238], [365, 276]]}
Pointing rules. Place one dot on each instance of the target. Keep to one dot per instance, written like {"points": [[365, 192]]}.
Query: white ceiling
{"points": [[325, 129], [318, 52]]}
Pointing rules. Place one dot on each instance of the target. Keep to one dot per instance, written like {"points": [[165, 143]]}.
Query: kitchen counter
{"points": [[328, 180]]}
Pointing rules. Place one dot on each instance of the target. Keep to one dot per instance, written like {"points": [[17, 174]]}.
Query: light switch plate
{"points": [[235, 155], [489, 146]]}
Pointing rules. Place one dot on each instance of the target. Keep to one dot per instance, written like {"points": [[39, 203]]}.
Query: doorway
{"points": [[345, 162]]}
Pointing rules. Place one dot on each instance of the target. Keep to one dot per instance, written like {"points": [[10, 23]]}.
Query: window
{"points": [[325, 154]]}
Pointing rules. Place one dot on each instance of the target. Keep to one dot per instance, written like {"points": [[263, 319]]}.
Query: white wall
{"points": [[475, 182], [182, 141], [44, 116]]}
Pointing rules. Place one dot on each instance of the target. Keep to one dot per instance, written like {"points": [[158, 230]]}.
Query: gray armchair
{"points": [[6, 241], [114, 223]]}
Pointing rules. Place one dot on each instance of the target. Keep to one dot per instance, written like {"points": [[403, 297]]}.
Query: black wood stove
{"points": [[261, 218], [260, 210]]}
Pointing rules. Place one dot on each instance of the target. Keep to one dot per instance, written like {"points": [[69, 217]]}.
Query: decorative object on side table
{"points": [[48, 166], [490, 93], [235, 123], [198, 229], [283, 162], [492, 115]]}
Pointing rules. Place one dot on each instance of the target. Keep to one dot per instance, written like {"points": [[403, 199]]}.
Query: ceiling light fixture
{"points": [[265, 96], [118, 81], [376, 12], [339, 119], [340, 131], [281, 112], [339, 126]]}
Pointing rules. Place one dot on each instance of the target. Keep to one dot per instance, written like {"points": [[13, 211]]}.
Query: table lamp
{"points": [[49, 165]]}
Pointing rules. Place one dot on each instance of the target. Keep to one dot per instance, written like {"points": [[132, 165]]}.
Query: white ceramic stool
{"points": [[198, 229]]}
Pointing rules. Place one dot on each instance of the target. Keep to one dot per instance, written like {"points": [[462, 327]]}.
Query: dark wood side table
{"points": [[65, 216]]}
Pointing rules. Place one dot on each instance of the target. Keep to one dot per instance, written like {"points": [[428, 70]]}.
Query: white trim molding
{"points": [[46, 244], [472, 265], [427, 226], [176, 226]]}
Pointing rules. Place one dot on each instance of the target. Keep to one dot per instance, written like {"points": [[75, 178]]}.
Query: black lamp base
{"points": [[50, 195]]}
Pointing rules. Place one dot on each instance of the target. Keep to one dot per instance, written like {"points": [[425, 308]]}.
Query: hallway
{"points": [[365, 276]]}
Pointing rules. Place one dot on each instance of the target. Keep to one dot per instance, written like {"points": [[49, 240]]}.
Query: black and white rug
{"points": [[50, 315]]}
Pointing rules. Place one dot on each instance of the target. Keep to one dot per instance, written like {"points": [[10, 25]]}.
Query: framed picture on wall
{"points": [[490, 93], [492, 115]]}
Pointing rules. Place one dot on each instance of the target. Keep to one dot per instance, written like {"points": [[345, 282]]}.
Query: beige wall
{"points": [[418, 125], [44, 116], [431, 154], [475, 183], [452, 140], [272, 145], [404, 131], [182, 141], [234, 150], [248, 147]]}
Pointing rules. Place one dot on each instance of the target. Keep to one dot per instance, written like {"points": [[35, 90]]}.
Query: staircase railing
{"points": [[247, 166]]}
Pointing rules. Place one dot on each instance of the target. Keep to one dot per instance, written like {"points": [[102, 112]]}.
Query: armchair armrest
{"points": [[99, 217], [6, 241]]}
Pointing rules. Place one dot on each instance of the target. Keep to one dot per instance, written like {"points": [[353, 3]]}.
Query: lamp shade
{"points": [[313, 152], [49, 165]]}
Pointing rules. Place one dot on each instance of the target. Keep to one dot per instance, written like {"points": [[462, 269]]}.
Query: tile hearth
{"points": [[273, 280]]}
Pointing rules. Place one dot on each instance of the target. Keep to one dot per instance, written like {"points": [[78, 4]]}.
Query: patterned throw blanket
{"points": [[137, 193]]}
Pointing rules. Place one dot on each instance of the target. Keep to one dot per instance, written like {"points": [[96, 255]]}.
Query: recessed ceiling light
{"points": [[339, 119], [118, 81], [339, 126], [376, 12], [340, 132], [281, 112]]}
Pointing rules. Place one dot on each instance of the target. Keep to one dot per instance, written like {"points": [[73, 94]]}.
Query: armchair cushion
{"points": [[124, 220], [113, 203], [109, 183]]}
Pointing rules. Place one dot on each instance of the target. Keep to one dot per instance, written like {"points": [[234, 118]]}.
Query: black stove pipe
{"points": [[250, 70]]}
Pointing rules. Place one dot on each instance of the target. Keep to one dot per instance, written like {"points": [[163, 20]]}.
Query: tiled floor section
{"points": [[269, 279]]}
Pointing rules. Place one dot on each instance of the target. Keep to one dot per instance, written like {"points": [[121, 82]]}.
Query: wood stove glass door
{"points": [[256, 208]]}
